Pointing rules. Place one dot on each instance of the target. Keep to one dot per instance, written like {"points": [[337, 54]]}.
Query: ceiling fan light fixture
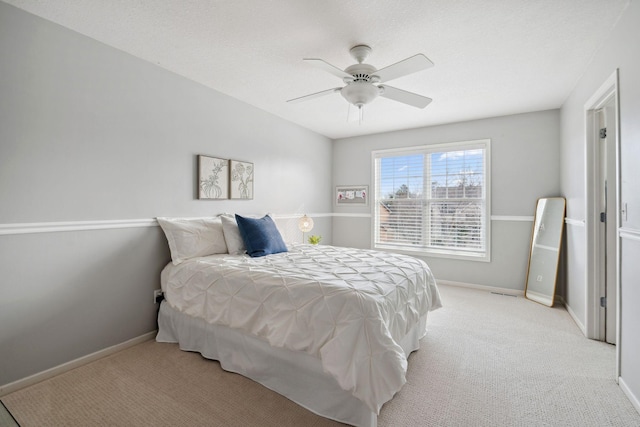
{"points": [[360, 93], [364, 83]]}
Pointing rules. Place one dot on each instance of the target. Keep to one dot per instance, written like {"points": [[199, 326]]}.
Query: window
{"points": [[434, 200]]}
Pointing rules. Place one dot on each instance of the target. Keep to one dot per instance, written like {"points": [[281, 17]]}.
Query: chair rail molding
{"points": [[629, 233], [61, 226], [64, 226], [574, 222]]}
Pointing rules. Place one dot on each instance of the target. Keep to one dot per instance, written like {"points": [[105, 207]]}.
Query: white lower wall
{"points": [[629, 319], [507, 270], [575, 272], [69, 294]]}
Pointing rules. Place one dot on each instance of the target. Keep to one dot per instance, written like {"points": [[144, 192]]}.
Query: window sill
{"points": [[434, 253]]}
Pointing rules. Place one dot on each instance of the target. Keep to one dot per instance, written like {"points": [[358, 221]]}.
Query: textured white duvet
{"points": [[349, 307]]}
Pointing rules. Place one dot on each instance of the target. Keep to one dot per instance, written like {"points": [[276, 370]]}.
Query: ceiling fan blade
{"points": [[315, 95], [323, 65], [407, 66], [405, 97]]}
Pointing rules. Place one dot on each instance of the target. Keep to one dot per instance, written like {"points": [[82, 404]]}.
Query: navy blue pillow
{"points": [[260, 235]]}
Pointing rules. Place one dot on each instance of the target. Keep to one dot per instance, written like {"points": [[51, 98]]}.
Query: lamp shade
{"points": [[305, 224]]}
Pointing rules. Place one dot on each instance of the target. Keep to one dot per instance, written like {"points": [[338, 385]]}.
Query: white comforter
{"points": [[349, 307]]}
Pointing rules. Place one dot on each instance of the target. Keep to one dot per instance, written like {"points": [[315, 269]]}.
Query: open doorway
{"points": [[605, 198], [602, 212]]}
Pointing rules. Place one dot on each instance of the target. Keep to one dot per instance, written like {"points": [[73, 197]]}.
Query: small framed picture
{"points": [[213, 178], [352, 195], [241, 175]]}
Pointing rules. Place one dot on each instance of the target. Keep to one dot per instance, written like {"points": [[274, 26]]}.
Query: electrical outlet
{"points": [[539, 278], [156, 294]]}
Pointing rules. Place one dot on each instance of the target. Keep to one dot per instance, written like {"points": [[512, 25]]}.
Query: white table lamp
{"points": [[305, 224]]}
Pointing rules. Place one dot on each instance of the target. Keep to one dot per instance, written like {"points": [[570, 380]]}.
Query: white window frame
{"points": [[431, 148]]}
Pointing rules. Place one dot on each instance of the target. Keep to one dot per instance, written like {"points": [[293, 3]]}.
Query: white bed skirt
{"points": [[296, 375]]}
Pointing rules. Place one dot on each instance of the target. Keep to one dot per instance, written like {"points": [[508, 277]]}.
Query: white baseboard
{"points": [[575, 318], [481, 287], [65, 367], [627, 391]]}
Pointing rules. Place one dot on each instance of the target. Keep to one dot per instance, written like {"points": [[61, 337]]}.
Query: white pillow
{"points": [[232, 236], [193, 237]]}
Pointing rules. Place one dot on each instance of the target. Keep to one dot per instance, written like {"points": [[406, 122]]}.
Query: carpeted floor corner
{"points": [[487, 360]]}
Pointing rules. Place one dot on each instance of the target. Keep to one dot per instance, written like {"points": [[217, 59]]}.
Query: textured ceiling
{"points": [[492, 57]]}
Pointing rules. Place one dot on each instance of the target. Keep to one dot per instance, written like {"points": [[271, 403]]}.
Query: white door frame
{"points": [[594, 316]]}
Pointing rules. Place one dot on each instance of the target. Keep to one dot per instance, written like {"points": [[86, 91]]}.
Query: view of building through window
{"points": [[432, 198]]}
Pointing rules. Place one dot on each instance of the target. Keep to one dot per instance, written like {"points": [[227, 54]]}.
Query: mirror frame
{"points": [[531, 295]]}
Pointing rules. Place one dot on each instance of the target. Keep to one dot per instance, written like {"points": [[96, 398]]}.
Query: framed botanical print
{"points": [[241, 176], [213, 178]]}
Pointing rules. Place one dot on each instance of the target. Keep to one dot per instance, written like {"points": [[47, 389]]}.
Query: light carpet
{"points": [[487, 360]]}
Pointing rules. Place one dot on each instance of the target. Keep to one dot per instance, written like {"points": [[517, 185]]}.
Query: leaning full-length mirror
{"points": [[546, 240]]}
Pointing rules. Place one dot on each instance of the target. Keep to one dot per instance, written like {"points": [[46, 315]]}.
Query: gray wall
{"points": [[524, 167], [619, 51], [89, 133]]}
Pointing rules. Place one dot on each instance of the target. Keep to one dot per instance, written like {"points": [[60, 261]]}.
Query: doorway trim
{"points": [[594, 318]]}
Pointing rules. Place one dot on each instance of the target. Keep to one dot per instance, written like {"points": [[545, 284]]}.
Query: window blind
{"points": [[433, 198]]}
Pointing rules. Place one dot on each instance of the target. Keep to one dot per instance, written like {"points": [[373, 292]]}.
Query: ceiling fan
{"points": [[364, 82]]}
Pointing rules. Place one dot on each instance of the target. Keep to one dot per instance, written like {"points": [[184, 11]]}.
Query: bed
{"points": [[328, 327]]}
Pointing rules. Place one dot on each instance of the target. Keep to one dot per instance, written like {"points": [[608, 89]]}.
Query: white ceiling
{"points": [[492, 57]]}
